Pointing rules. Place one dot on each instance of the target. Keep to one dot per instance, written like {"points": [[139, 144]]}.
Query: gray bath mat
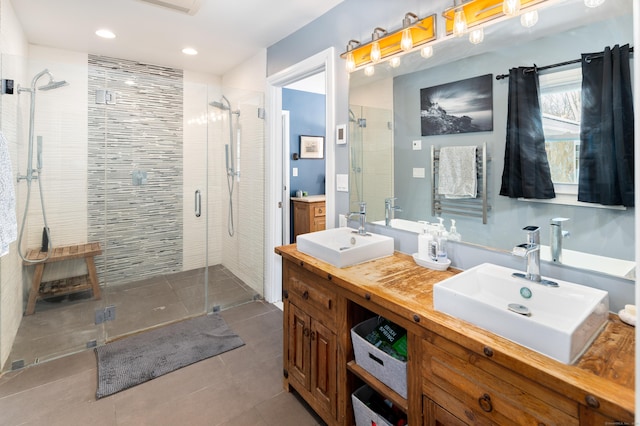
{"points": [[133, 360]]}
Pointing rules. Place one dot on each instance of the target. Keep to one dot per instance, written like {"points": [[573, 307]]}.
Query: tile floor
{"points": [[242, 387], [65, 327]]}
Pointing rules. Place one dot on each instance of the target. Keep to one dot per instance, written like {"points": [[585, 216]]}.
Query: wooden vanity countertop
{"points": [[397, 284]]}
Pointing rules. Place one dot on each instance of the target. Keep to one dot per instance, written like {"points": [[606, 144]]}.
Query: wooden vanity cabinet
{"points": [[310, 344], [452, 379], [308, 216]]}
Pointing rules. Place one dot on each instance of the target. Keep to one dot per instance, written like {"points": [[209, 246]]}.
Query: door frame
{"points": [[274, 186]]}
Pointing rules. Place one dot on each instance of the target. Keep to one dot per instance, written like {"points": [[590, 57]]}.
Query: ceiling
{"points": [[225, 33]]}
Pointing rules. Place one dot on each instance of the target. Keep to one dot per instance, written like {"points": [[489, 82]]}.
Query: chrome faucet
{"points": [[363, 217], [389, 208], [557, 235], [531, 251]]}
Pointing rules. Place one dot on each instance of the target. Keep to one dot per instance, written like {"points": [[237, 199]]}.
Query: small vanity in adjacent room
{"points": [[308, 214], [456, 373]]}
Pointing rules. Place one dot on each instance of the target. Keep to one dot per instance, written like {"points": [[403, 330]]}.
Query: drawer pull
{"points": [[305, 295], [376, 359], [313, 335], [592, 401], [488, 351], [305, 332], [286, 294], [416, 318], [367, 296], [485, 403]]}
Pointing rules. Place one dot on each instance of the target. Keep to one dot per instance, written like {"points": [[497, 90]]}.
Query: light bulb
{"points": [[529, 19], [375, 52], [476, 36], [426, 52], [407, 39], [369, 70], [351, 62], [459, 23], [510, 7], [394, 62], [593, 3]]}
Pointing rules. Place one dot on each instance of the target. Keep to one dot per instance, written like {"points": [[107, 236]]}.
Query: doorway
{"points": [[276, 187]]}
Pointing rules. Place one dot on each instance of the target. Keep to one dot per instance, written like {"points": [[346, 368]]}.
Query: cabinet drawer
{"points": [[476, 389], [306, 289], [319, 210]]}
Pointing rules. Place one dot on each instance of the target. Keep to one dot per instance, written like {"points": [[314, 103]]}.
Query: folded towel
{"points": [[8, 222], [457, 172]]}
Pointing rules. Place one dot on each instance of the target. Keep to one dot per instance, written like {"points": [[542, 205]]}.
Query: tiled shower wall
{"points": [[139, 226]]}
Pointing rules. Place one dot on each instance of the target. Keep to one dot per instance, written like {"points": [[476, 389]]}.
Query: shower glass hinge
{"points": [[92, 344], [106, 314], [216, 308], [17, 365], [104, 96]]}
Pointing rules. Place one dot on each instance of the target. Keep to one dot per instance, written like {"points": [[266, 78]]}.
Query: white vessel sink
{"points": [[560, 322], [343, 247]]}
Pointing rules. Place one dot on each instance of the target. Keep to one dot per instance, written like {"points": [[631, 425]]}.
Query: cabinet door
{"points": [[299, 345], [435, 415], [323, 366]]}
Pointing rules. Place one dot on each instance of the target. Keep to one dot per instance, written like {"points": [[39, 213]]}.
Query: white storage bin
{"points": [[389, 370], [364, 415]]}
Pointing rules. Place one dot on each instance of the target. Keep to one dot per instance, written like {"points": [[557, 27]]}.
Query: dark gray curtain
{"points": [[526, 168], [606, 133]]}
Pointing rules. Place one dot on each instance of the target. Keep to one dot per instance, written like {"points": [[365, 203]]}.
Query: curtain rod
{"points": [[560, 64]]}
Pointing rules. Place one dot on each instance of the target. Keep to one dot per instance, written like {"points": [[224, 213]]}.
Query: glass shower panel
{"points": [[371, 130], [154, 262], [235, 197], [61, 321]]}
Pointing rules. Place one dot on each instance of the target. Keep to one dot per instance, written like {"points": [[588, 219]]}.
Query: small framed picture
{"points": [[341, 134], [311, 146]]}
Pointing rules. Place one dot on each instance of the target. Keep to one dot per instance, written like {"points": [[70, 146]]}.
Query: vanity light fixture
{"points": [[375, 54], [459, 23], [481, 12], [351, 63], [593, 3], [529, 19], [407, 39], [426, 52], [385, 46], [511, 7], [369, 70], [189, 51], [476, 36], [395, 62]]}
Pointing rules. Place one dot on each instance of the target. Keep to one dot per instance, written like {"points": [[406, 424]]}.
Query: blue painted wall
{"points": [[306, 117]]}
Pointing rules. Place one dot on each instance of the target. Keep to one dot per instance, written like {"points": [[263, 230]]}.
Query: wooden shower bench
{"points": [[40, 290]]}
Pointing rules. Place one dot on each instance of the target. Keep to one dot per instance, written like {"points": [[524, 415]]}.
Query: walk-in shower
{"points": [[232, 161], [31, 172]]}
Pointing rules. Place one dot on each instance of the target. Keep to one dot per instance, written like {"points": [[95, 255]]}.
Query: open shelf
{"points": [[378, 386]]}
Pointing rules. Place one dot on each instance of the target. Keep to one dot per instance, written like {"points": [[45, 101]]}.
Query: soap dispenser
{"points": [[453, 232]]}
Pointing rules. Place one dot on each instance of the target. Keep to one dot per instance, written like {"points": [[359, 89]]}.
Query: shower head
{"points": [[219, 105], [53, 85]]}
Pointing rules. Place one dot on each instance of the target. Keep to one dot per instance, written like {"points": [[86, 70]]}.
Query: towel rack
{"points": [[471, 207]]}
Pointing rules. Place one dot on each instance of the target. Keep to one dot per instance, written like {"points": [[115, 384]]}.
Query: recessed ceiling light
{"points": [[104, 33], [189, 51]]}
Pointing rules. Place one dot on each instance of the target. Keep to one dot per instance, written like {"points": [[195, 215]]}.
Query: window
{"points": [[560, 104]]}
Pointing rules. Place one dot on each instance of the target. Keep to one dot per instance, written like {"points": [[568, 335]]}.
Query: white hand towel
{"points": [[457, 172], [8, 222]]}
